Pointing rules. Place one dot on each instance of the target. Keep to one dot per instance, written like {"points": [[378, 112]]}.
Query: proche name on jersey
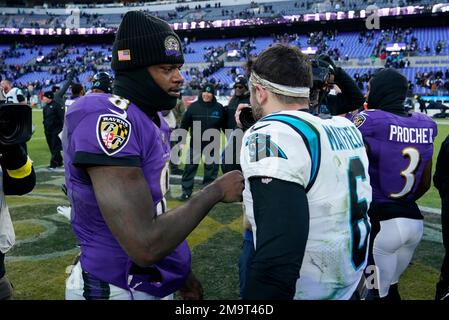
{"points": [[411, 135], [343, 138]]}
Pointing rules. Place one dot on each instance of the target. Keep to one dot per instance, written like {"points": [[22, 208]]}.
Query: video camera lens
{"points": [[15, 124], [8, 127], [321, 73], [246, 118]]}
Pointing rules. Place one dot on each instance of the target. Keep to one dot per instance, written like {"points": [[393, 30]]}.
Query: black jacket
{"points": [[59, 96], [211, 116], [441, 176], [53, 117], [232, 107], [351, 97]]}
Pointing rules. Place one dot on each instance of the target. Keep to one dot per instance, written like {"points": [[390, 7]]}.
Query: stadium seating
{"points": [[196, 53], [231, 11]]}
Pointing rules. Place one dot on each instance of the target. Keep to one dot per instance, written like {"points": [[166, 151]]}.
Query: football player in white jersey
{"points": [[307, 188], [12, 94]]}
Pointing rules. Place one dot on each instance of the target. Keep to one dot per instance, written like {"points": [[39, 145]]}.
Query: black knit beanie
{"points": [[388, 90], [143, 40], [209, 87]]}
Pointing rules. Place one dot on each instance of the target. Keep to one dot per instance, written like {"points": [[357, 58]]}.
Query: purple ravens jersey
{"points": [[104, 129], [399, 147]]}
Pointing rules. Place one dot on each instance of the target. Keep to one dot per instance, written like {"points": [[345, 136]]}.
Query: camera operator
{"points": [[241, 95], [234, 139], [17, 177], [334, 91]]}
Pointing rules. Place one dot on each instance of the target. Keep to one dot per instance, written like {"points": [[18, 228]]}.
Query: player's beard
{"points": [[257, 112], [139, 87], [257, 108]]}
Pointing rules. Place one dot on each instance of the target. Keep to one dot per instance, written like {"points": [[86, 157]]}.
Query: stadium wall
{"points": [[415, 21], [117, 9]]}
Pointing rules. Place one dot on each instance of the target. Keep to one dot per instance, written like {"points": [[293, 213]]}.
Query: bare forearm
{"points": [[128, 210], [175, 225]]}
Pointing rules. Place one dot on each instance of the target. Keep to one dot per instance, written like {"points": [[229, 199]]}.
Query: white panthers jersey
{"points": [[328, 158], [11, 96]]}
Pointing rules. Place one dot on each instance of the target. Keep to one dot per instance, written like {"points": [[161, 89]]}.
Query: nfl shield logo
{"points": [[113, 133]]}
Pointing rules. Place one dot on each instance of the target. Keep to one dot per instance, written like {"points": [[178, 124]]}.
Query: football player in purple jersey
{"points": [[117, 154], [400, 149]]}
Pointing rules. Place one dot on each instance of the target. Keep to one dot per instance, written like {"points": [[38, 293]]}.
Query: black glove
{"points": [[324, 58], [327, 59], [71, 74]]}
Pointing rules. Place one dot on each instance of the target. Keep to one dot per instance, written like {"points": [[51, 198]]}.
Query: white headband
{"points": [[297, 92]]}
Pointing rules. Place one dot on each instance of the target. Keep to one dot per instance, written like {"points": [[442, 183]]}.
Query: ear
{"points": [[261, 94]]}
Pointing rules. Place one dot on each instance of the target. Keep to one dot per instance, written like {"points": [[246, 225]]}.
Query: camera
{"points": [[246, 118], [322, 74], [323, 80], [15, 123]]}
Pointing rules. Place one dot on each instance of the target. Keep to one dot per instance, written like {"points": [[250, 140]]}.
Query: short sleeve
{"points": [[105, 139], [273, 149], [364, 122]]}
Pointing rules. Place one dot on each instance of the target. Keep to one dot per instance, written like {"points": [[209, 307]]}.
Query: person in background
{"points": [[241, 96], [53, 114], [422, 104], [17, 177], [77, 92], [209, 114], [102, 83], [59, 93], [441, 182], [12, 94]]}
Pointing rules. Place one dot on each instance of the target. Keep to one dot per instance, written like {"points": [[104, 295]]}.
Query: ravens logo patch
{"points": [[113, 133], [359, 120]]}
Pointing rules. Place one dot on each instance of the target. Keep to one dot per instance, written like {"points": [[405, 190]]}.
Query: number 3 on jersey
{"points": [[409, 172], [360, 227]]}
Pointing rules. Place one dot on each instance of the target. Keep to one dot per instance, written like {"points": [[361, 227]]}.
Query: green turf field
{"points": [[46, 245]]}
